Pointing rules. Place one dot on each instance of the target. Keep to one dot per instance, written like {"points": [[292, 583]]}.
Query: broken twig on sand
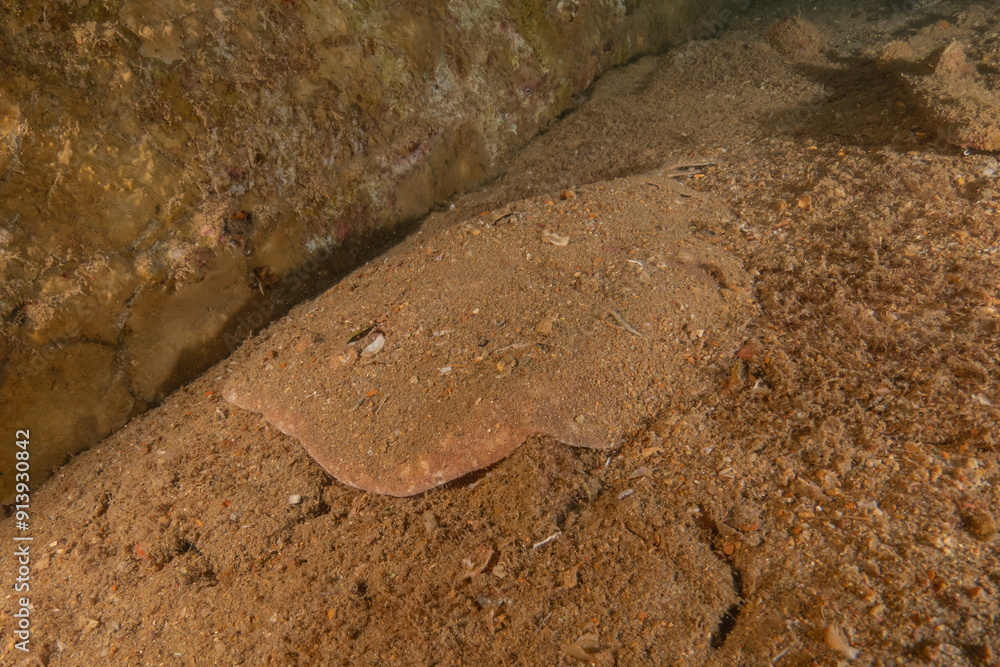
{"points": [[625, 325]]}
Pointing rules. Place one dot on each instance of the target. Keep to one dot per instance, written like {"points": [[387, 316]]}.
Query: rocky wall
{"points": [[167, 166]]}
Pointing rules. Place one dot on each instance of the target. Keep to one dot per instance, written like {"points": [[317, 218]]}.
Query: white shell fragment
{"points": [[835, 641], [555, 239], [376, 345]]}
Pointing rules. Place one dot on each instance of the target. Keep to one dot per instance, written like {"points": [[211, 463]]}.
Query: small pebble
{"points": [[577, 653], [640, 472], [295, 499], [982, 525]]}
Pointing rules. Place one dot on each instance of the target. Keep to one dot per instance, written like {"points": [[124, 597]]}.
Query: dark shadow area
{"points": [[866, 106], [727, 623], [272, 302], [869, 103], [729, 618]]}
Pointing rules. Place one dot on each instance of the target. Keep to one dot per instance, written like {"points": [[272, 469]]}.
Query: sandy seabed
{"points": [[812, 484]]}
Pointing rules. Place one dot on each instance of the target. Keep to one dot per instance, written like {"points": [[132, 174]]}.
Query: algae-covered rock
{"points": [[164, 164]]}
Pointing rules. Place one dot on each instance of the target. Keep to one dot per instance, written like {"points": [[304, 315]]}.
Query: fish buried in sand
{"points": [[444, 356]]}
